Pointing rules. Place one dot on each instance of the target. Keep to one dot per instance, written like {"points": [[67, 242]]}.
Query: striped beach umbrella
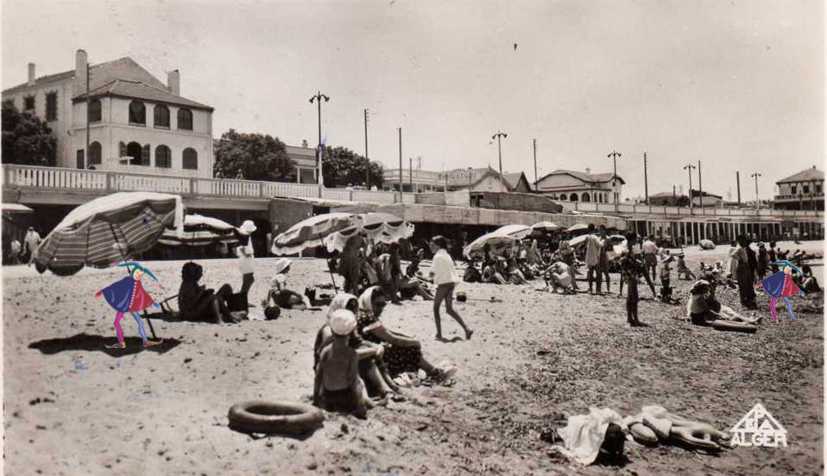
{"points": [[108, 230], [379, 227], [200, 231], [546, 226], [311, 232]]}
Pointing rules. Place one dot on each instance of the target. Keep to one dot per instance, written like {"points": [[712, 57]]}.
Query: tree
{"points": [[343, 167], [26, 139], [252, 157]]}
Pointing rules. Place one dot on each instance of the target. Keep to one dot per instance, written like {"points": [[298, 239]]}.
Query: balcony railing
{"points": [[672, 212], [77, 180]]}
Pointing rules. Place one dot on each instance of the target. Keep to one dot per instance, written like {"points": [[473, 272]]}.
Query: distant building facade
{"points": [[801, 191], [476, 179], [136, 122], [574, 186], [304, 158]]}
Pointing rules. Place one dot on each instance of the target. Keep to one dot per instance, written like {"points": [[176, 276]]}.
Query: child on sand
{"points": [[683, 271], [338, 387], [665, 281]]}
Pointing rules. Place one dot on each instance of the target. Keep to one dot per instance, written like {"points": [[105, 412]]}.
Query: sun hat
{"points": [[248, 227], [281, 264], [342, 322]]}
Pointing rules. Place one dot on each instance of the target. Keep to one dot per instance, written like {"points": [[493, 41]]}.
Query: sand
{"points": [[72, 407]]}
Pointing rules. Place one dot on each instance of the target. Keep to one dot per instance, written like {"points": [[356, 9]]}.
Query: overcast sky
{"points": [[736, 84]]}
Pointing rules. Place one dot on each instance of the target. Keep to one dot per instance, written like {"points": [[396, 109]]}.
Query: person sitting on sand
{"points": [[338, 387], [558, 276], [568, 257], [278, 293], [703, 308], [683, 271], [809, 283], [372, 368], [402, 353], [491, 273], [197, 303]]}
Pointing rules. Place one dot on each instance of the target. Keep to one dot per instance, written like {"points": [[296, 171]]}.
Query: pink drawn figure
{"points": [[781, 285], [128, 295]]}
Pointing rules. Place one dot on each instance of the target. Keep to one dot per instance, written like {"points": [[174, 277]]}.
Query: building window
{"points": [[137, 113], [573, 197], [190, 159], [806, 188], [161, 116], [94, 153], [28, 103], [163, 157], [185, 119], [818, 188], [585, 197], [138, 155], [51, 107], [793, 188], [95, 110], [8, 103]]}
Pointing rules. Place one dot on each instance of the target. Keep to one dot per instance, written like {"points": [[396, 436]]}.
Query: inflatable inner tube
{"points": [[288, 418]]}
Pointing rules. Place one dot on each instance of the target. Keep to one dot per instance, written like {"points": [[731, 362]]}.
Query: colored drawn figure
{"points": [[781, 285], [128, 295]]}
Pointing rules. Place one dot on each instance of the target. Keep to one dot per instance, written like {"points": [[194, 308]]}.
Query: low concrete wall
{"points": [[528, 202]]}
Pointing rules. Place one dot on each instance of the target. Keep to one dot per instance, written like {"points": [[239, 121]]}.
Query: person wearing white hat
{"points": [[338, 387], [246, 257], [278, 293]]}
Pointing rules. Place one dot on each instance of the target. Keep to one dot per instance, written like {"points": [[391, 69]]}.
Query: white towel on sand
{"points": [[583, 435]]}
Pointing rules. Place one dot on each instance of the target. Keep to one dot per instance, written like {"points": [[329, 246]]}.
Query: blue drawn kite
{"points": [[128, 295], [781, 285]]}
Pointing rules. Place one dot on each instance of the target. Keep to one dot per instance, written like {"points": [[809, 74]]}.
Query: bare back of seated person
{"points": [[339, 366]]}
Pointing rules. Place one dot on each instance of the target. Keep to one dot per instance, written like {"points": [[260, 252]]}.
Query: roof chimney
{"points": [[80, 72], [31, 74], [588, 171], [174, 82], [304, 143]]}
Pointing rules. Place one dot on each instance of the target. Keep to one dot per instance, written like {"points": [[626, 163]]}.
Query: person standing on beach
{"points": [[246, 257], [744, 274], [603, 262], [30, 243], [593, 246], [650, 257], [631, 267], [445, 279]]}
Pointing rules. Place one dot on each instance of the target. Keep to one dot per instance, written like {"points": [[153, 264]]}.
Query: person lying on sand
{"points": [[371, 365], [703, 308], [278, 293], [338, 387], [809, 283], [402, 353]]}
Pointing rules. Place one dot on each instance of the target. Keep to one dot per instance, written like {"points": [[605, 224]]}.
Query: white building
{"points": [[136, 122], [571, 185]]}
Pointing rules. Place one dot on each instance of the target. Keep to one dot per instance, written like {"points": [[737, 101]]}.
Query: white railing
{"points": [[626, 208], [63, 179]]}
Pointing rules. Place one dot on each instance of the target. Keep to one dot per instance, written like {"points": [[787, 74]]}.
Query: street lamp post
{"points": [[367, 168], [318, 97], [757, 202], [614, 155], [688, 168], [500, 135]]}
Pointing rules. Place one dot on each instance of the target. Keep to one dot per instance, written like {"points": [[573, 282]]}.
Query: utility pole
{"points": [[701, 187], [738, 186], [367, 169], [646, 179], [500, 135], [614, 155], [400, 165], [88, 70], [688, 168], [319, 150], [534, 141], [410, 173], [757, 202]]}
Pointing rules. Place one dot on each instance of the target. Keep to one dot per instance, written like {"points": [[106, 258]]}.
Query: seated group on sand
{"points": [[357, 358]]}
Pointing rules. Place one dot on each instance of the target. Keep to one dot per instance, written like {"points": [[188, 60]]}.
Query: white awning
{"points": [[15, 208]]}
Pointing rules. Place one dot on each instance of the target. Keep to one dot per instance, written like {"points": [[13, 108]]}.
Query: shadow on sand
{"points": [[96, 343]]}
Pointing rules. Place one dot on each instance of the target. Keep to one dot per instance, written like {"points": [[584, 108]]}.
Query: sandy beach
{"points": [[73, 407]]}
